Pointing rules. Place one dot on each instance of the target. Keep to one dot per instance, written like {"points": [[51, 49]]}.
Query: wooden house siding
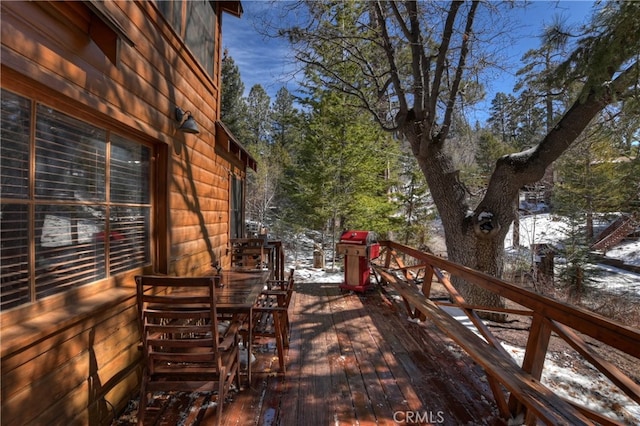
{"points": [[73, 358], [77, 374]]}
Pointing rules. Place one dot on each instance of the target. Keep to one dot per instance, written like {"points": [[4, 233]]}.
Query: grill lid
{"points": [[358, 237]]}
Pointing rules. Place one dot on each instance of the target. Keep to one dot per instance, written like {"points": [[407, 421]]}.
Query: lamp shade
{"points": [[189, 125]]}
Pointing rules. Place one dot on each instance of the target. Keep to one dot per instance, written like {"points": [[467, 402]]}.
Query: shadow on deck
{"points": [[353, 359]]}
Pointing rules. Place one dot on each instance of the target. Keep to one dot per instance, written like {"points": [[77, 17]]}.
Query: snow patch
{"points": [[594, 391], [485, 216]]}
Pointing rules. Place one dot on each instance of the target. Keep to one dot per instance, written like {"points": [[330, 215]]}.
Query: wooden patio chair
{"points": [[271, 314], [247, 253], [183, 348], [281, 291]]}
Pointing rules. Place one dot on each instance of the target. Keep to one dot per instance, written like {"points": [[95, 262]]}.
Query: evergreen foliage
{"points": [[577, 271], [416, 205], [595, 178], [233, 109], [612, 39], [341, 176], [503, 120], [258, 116], [490, 148], [286, 120]]}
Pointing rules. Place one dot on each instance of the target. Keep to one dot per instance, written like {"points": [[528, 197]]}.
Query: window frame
{"points": [[176, 13], [155, 196], [236, 207]]}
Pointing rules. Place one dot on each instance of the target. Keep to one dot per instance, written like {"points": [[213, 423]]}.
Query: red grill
{"points": [[358, 248]]}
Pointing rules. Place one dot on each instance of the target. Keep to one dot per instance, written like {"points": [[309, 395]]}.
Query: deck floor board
{"points": [[353, 359]]}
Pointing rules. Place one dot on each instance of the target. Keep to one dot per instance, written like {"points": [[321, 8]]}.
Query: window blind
{"points": [[86, 215]]}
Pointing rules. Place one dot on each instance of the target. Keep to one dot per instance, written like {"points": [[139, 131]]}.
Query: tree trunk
{"points": [[474, 240], [590, 232], [485, 255], [516, 224]]}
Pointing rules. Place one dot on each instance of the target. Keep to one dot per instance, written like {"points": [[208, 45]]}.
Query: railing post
{"points": [[535, 353], [426, 284], [387, 259]]}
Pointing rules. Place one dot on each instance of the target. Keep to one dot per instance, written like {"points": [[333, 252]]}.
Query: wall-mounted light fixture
{"points": [[189, 125]]}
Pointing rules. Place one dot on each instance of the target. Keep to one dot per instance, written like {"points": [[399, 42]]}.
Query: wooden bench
{"points": [[538, 399]]}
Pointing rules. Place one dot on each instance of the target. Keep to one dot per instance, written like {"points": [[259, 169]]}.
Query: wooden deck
{"points": [[353, 359]]}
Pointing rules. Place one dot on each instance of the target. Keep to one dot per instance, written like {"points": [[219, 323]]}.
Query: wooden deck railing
{"points": [[526, 397]]}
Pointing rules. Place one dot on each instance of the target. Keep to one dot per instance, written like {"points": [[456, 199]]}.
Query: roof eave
{"points": [[232, 7]]}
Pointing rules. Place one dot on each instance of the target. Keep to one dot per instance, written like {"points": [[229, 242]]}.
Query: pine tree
{"points": [[261, 184], [578, 271], [233, 109], [341, 177], [258, 116], [416, 206], [287, 130], [286, 121], [503, 118], [490, 149]]}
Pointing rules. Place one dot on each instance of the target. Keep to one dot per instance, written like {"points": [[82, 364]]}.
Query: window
{"points": [[195, 22], [86, 214], [237, 214]]}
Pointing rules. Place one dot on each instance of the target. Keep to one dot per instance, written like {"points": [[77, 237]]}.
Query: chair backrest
{"points": [[179, 325], [290, 286], [283, 284], [247, 253], [282, 287]]}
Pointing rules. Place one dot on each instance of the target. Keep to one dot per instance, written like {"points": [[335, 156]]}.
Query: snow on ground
{"points": [[539, 229], [628, 251], [548, 229], [617, 281], [593, 390], [318, 276]]}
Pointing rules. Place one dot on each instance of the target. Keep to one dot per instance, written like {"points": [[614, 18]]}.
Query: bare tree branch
{"points": [[390, 53], [516, 170], [441, 62], [446, 122]]}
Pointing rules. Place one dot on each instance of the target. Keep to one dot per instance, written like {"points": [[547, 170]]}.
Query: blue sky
{"points": [[261, 60], [268, 62]]}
